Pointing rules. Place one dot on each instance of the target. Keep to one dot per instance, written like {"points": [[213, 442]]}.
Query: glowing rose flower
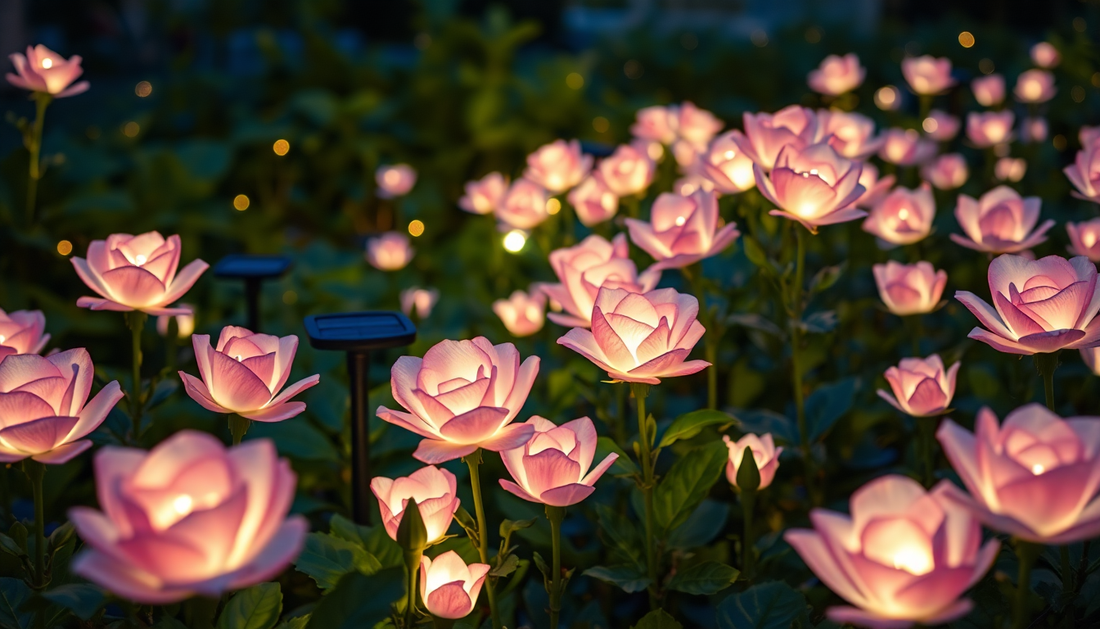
{"points": [[558, 166], [990, 127], [394, 181], [1034, 477], [1035, 86], [586, 267], [435, 493], [921, 386], [682, 230], [1010, 168], [640, 337], [655, 124], [766, 134], [1084, 238], [764, 453], [927, 75], [1045, 55], [188, 518], [903, 217], [903, 556], [522, 314], [696, 127], [694, 181], [941, 126], [813, 186], [523, 206], [136, 273], [484, 195], [909, 289], [836, 75], [1084, 172], [552, 468], [185, 323], [1000, 222], [593, 201], [22, 332], [463, 395], [1041, 305], [852, 135], [905, 147], [989, 90], [628, 170], [727, 166], [43, 70], [946, 172], [44, 408], [1088, 135], [448, 587], [389, 252], [875, 189], [1034, 130], [418, 300]]}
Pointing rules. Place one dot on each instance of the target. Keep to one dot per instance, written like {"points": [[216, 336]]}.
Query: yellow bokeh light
{"points": [[574, 81], [131, 129], [241, 202], [64, 247], [290, 297], [416, 228], [966, 39], [601, 124], [886, 98], [930, 125], [143, 89], [281, 147], [553, 206], [514, 241]]}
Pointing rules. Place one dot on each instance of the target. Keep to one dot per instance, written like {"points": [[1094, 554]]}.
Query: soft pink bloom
{"points": [[927, 75], [188, 518], [909, 289], [1091, 356], [418, 300], [946, 172], [586, 267], [640, 337], [1042, 305], [694, 126], [694, 181], [875, 189], [627, 171], [485, 194], [448, 587], [394, 181], [1084, 239], [44, 408], [389, 252], [1034, 477], [904, 216], [656, 124], [990, 127], [764, 453], [902, 556], [813, 186], [22, 332], [1034, 130], [766, 134], [836, 75], [1035, 86], [906, 147], [851, 134], [522, 314], [1045, 55], [43, 70], [558, 166], [922, 388], [523, 206], [1088, 135], [1010, 168], [1000, 221], [552, 468], [727, 166], [136, 273], [593, 201], [682, 229], [989, 90], [185, 323], [463, 395], [435, 493], [1084, 172], [941, 126]]}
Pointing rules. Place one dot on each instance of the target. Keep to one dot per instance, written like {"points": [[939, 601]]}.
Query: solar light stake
{"points": [[254, 270], [358, 370]]}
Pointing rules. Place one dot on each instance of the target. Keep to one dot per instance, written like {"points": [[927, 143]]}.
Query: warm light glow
{"points": [[240, 202], [966, 39], [416, 228], [903, 214], [574, 81], [1032, 90], [886, 98], [913, 560], [729, 154], [680, 220], [64, 247], [514, 241], [553, 206], [601, 124], [654, 150], [131, 129], [182, 504], [143, 89], [238, 357], [2, 338], [392, 177], [1088, 239], [685, 190], [47, 63], [1037, 469], [140, 259], [281, 147], [930, 125]]}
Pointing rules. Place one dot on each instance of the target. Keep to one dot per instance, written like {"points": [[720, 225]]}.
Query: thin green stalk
{"points": [[238, 426], [35, 473], [640, 391], [171, 341], [748, 507], [135, 320], [694, 276], [795, 310], [41, 101], [473, 461], [1046, 365], [925, 435], [1026, 554], [412, 565], [555, 515]]}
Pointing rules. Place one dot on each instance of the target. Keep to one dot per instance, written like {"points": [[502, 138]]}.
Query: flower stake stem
{"points": [[135, 320], [555, 515], [795, 311], [748, 481], [473, 461], [412, 535], [644, 444], [1046, 365], [34, 145], [35, 472], [238, 426], [1026, 554]]}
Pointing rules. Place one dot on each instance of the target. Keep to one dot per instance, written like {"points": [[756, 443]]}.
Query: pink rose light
{"points": [[1084, 172], [905, 147], [1034, 130], [389, 252], [989, 90], [1088, 135], [44, 409], [1084, 239], [522, 314], [927, 75], [435, 493], [764, 453], [875, 189], [1035, 86], [43, 70], [852, 135], [394, 181], [941, 126], [1000, 222], [22, 332], [463, 395], [136, 273], [627, 171], [656, 124], [523, 206], [946, 172], [448, 586], [766, 134], [640, 337], [1010, 169], [188, 518], [909, 289], [558, 166], [903, 556], [593, 201], [485, 194], [1045, 55], [185, 323], [813, 186], [1039, 306], [419, 301], [586, 267], [903, 217], [727, 166], [1091, 357], [836, 75], [682, 230], [989, 128], [921, 386], [1034, 477], [695, 127], [552, 468]]}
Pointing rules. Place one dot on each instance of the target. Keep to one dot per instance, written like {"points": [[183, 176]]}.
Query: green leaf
{"points": [[755, 253], [827, 404], [688, 425], [258, 607], [374, 539], [708, 578], [687, 483], [705, 523], [507, 527], [772, 605], [299, 440], [620, 531], [9, 545], [326, 559], [623, 465], [627, 578], [14, 593], [825, 278], [657, 619], [358, 600], [298, 622], [82, 599], [761, 421]]}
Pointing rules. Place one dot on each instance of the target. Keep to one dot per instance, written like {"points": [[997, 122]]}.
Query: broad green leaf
{"points": [[657, 619], [358, 600], [825, 278], [705, 523], [299, 440], [708, 578], [298, 622], [755, 253], [772, 605], [781, 427], [623, 465], [14, 593], [373, 539], [687, 483], [827, 404], [82, 599], [327, 558], [620, 531], [258, 607], [629, 579], [688, 425]]}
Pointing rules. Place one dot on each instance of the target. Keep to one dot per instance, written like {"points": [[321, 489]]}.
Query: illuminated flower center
{"points": [[531, 312], [514, 241], [1088, 239], [182, 504], [1037, 469], [680, 220], [903, 214], [392, 177], [2, 338], [47, 63], [913, 559], [140, 259], [1032, 89]]}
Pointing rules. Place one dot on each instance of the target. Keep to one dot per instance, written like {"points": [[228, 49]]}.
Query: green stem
{"points": [[555, 515], [473, 461], [795, 310], [35, 473], [412, 565], [632, 203], [1046, 365], [647, 486], [710, 352], [748, 559], [925, 442], [171, 339], [1026, 554], [135, 320], [41, 101], [238, 426]]}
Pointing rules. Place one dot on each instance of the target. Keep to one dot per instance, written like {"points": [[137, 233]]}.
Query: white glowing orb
{"points": [[514, 241]]}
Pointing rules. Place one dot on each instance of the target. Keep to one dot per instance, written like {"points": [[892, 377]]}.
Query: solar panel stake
{"points": [[358, 371], [254, 270]]}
